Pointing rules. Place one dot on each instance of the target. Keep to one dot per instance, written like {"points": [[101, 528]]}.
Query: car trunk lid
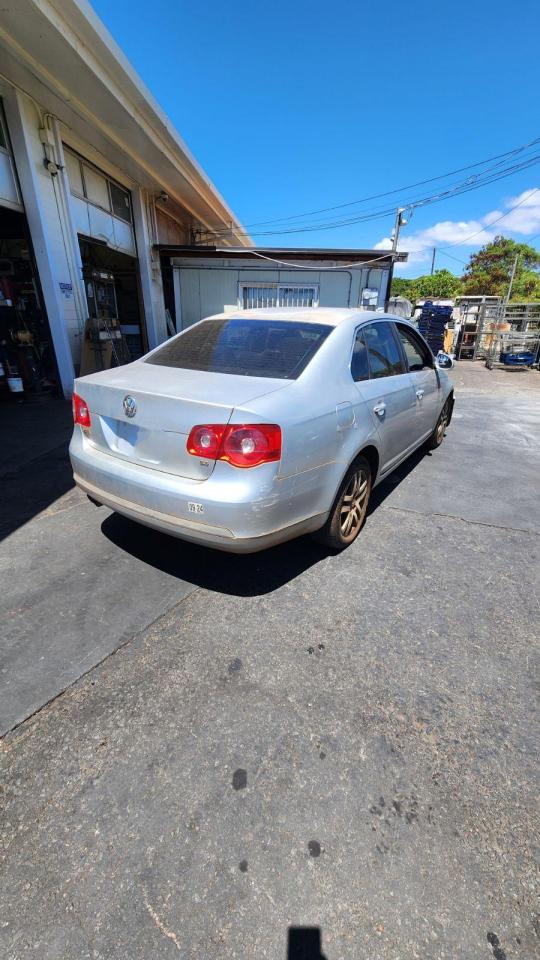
{"points": [[165, 404]]}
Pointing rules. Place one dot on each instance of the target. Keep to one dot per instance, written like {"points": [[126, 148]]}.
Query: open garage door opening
{"points": [[111, 282], [27, 362], [103, 217]]}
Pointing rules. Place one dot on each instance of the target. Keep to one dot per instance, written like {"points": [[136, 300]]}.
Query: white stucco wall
{"points": [[211, 286], [62, 71], [48, 239], [56, 217]]}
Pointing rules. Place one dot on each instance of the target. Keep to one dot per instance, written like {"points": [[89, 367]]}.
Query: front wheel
{"points": [[350, 506], [438, 434]]}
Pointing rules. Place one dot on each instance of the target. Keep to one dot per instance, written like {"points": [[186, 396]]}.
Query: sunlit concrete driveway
{"points": [[290, 740]]}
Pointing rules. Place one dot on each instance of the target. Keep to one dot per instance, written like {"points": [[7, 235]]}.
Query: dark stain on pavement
{"points": [[243, 866], [239, 780], [314, 848], [406, 807], [498, 952], [235, 666]]}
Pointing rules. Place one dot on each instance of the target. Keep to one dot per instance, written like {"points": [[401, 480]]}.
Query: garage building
{"points": [[106, 219], [92, 178]]}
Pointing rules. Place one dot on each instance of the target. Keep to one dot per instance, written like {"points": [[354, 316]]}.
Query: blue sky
{"points": [[295, 106]]}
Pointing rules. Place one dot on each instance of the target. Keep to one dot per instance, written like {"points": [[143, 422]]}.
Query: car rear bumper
{"points": [[237, 511]]}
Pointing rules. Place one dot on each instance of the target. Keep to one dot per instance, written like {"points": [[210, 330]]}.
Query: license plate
{"points": [[195, 507]]}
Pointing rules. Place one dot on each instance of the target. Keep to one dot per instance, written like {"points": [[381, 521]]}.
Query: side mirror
{"points": [[444, 361]]}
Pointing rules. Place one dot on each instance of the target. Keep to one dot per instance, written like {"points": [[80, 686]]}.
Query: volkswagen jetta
{"points": [[249, 429]]}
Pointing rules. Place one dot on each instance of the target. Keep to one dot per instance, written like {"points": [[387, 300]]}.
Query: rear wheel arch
{"points": [[450, 400], [348, 511], [443, 420], [371, 454]]}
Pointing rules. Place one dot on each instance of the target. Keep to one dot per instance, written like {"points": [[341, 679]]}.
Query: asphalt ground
{"points": [[222, 750]]}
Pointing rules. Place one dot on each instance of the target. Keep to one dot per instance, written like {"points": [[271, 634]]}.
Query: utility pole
{"points": [[433, 260], [512, 275], [401, 221]]}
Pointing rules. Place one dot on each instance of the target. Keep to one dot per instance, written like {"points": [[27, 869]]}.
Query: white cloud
{"points": [[524, 220]]}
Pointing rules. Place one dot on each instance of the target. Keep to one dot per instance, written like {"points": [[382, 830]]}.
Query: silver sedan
{"points": [[248, 429]]}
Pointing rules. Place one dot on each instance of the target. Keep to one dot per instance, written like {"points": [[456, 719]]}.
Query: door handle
{"points": [[420, 394], [380, 408]]}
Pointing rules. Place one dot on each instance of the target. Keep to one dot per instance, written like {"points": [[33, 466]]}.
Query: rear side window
{"points": [[359, 362], [250, 348], [417, 353], [383, 350]]}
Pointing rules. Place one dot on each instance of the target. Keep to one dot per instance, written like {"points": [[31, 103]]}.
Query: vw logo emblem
{"points": [[130, 406]]}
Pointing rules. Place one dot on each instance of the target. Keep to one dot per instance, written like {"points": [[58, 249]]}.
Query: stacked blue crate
{"points": [[432, 322]]}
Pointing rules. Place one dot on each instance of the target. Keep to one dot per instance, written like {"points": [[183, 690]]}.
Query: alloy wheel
{"points": [[442, 424], [354, 504]]}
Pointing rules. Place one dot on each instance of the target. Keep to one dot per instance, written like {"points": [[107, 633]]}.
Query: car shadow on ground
{"points": [[240, 575]]}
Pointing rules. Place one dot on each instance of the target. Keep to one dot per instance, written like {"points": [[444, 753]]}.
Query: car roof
{"points": [[331, 316]]}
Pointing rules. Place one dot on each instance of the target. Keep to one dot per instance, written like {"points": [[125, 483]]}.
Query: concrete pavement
{"points": [[63, 603], [341, 742]]}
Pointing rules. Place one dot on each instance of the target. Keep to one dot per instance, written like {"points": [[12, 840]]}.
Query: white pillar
{"points": [[73, 250], [44, 224], [150, 272]]}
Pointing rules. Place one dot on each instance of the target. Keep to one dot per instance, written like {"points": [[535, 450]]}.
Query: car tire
{"points": [[437, 436], [349, 509]]}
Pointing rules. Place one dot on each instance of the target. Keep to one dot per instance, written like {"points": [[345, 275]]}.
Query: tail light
{"points": [[242, 445], [249, 445], [81, 413]]}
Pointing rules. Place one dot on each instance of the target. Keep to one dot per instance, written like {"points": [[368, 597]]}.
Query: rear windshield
{"points": [[251, 348]]}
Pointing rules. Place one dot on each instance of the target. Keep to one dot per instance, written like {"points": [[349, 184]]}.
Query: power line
{"points": [[388, 193], [460, 243], [380, 213], [441, 250], [377, 213], [534, 236], [384, 256], [417, 202]]}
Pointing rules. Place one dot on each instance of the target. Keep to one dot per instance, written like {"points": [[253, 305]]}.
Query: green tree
{"points": [[402, 287], [442, 283], [488, 270], [526, 286]]}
